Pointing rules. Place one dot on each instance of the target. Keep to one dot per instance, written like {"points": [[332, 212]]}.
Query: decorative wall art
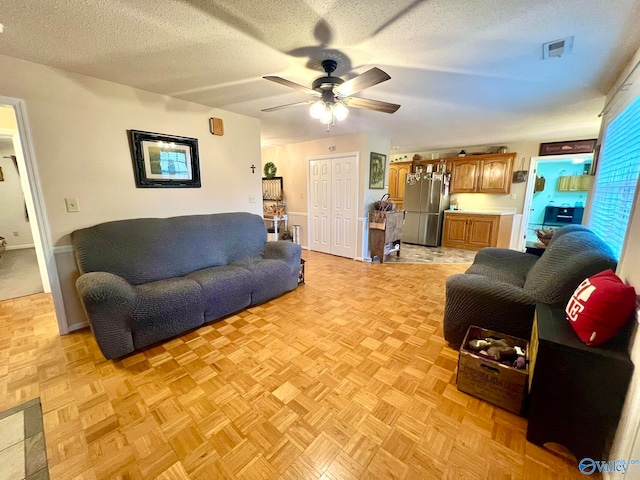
{"points": [[377, 168], [161, 160], [568, 147]]}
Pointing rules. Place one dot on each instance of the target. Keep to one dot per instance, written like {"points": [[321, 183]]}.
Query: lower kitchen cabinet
{"points": [[473, 231]]}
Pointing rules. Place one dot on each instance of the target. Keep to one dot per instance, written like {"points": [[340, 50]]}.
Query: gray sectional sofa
{"points": [[145, 280], [501, 288]]}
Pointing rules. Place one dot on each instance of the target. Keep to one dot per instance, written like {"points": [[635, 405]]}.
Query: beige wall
{"points": [[7, 119], [292, 163], [79, 129]]}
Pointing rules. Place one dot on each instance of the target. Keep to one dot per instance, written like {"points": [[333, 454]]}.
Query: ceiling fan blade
{"points": [[295, 86], [376, 105], [367, 79], [297, 104]]}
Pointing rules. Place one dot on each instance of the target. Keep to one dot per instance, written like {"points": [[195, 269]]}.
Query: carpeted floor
{"points": [[22, 448], [419, 254], [19, 273]]}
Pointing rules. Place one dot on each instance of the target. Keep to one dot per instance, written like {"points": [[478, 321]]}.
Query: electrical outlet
{"points": [[513, 196], [72, 205], [252, 199], [16, 234], [301, 195]]}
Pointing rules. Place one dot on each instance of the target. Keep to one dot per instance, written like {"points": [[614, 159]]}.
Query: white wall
{"points": [[79, 131], [12, 213]]}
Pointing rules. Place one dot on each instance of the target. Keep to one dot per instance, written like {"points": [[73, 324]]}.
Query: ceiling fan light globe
{"points": [[340, 111], [317, 108], [327, 116]]}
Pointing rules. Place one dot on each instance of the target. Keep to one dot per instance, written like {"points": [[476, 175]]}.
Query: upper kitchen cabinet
{"points": [[397, 180], [464, 175], [489, 173], [574, 183]]}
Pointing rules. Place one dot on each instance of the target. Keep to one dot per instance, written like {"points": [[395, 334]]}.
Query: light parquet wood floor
{"points": [[348, 377]]}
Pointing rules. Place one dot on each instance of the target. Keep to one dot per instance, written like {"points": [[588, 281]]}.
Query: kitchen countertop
{"points": [[483, 212]]}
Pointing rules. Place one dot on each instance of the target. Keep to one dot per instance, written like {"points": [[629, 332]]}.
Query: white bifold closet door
{"points": [[333, 191]]}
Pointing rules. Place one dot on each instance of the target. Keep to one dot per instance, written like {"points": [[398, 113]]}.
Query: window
{"points": [[617, 178]]}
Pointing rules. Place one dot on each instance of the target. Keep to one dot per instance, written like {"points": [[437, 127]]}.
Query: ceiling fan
{"points": [[333, 95]]}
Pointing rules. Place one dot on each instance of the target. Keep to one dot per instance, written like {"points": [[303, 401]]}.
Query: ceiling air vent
{"points": [[557, 48]]}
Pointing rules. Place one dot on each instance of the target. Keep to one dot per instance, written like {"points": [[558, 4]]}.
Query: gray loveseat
{"points": [[145, 280], [501, 288]]}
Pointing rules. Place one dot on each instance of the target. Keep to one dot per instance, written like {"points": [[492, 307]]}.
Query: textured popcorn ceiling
{"points": [[465, 72]]}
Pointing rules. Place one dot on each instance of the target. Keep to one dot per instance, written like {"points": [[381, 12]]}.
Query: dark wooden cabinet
{"points": [[576, 391]]}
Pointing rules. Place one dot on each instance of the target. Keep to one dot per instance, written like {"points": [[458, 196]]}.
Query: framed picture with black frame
{"points": [[377, 166], [164, 161]]}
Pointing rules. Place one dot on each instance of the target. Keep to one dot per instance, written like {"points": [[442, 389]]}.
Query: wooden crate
{"points": [[490, 380]]}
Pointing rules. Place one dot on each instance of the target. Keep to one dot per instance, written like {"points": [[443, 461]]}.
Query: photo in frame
{"points": [[161, 161], [377, 167]]}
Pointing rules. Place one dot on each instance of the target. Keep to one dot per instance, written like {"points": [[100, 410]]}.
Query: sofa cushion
{"points": [[149, 249], [166, 308], [565, 264], [574, 227], [225, 289], [503, 265], [270, 278]]}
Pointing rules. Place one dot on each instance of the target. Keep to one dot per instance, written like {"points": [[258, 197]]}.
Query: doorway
{"points": [[13, 123], [333, 201], [557, 191], [19, 270]]}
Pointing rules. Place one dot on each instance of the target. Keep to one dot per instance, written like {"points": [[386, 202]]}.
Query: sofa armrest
{"points": [[289, 252], [108, 301], [488, 303]]}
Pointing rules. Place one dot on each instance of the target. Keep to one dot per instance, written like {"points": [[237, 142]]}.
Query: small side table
{"points": [[576, 391], [389, 232]]}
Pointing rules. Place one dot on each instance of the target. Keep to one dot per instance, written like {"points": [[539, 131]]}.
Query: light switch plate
{"points": [[72, 205]]}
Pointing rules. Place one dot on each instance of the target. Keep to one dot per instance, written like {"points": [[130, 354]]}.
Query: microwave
{"points": [[561, 215]]}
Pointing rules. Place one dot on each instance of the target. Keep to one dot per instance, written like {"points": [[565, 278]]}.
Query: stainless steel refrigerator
{"points": [[425, 200]]}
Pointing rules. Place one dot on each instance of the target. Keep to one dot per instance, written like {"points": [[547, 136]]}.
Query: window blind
{"points": [[619, 167]]}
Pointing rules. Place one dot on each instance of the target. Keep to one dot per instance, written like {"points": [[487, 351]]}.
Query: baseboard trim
{"points": [[63, 249], [78, 326], [19, 247]]}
